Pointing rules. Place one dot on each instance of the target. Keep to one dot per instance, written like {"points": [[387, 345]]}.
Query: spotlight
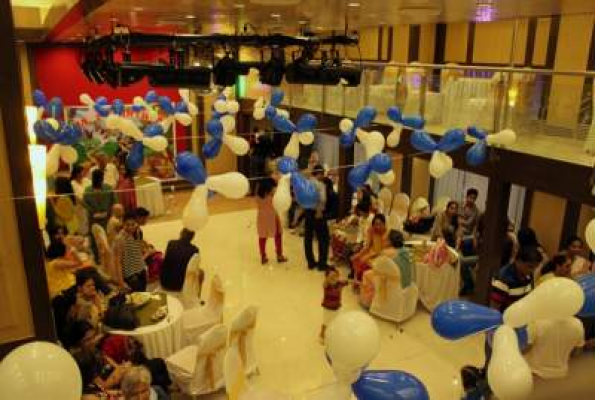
{"points": [[189, 77], [271, 72], [226, 71]]}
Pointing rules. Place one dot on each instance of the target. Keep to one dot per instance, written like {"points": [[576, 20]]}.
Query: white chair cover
{"points": [[198, 320], [399, 211], [106, 255], [191, 287], [198, 368], [241, 337], [385, 200], [438, 284], [391, 301], [441, 204]]}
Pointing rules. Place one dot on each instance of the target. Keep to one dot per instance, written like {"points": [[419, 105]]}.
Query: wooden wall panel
{"points": [[493, 42], [541, 40], [400, 43], [456, 42], [368, 43], [420, 180], [427, 43], [547, 216]]}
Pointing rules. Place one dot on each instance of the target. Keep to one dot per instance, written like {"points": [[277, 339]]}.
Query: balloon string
{"points": [[165, 182]]}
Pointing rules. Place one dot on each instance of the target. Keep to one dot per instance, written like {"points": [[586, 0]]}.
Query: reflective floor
{"points": [[288, 295]]}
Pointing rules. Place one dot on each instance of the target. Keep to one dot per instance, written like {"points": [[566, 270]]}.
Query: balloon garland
{"points": [[220, 127], [262, 109]]}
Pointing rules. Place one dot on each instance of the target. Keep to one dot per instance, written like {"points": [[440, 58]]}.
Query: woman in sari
{"points": [[125, 189], [376, 242]]}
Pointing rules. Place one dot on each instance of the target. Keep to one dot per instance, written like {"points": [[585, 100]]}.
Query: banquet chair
{"points": [[236, 385], [241, 337], [438, 283], [192, 284], [106, 256], [199, 319], [385, 200], [397, 216], [198, 368], [391, 301]]}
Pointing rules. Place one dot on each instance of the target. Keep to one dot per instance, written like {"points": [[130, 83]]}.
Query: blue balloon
{"points": [[282, 124], [423, 142], [389, 385], [190, 168], [102, 106], [277, 97], [215, 128], [305, 191], [347, 139], [451, 140], [306, 123], [413, 122], [39, 98], [522, 336], [365, 116], [153, 129], [477, 133], [476, 155], [137, 108], [136, 156], [287, 165], [381, 163], [211, 148], [270, 112], [394, 114], [456, 319], [118, 107], [166, 105], [56, 107], [587, 282], [181, 107], [44, 131], [70, 134], [151, 97], [358, 175]]}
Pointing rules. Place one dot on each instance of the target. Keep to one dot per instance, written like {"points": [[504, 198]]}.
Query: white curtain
{"points": [[328, 150], [454, 185]]}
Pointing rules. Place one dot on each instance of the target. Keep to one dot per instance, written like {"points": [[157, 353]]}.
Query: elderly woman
{"points": [[136, 385]]}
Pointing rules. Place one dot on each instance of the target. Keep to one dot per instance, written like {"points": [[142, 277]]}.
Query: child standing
{"points": [[331, 303]]}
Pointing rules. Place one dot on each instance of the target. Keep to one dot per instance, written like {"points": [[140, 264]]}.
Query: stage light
{"points": [[226, 71]]}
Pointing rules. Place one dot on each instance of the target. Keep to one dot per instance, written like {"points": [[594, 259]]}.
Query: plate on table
{"points": [[139, 299]]}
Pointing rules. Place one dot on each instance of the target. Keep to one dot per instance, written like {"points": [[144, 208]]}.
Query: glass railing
{"points": [[551, 111]]}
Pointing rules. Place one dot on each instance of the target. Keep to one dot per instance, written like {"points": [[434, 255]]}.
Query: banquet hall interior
{"points": [[422, 168]]}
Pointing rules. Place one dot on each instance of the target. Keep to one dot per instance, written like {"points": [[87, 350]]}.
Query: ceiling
{"points": [[33, 19], [223, 16]]}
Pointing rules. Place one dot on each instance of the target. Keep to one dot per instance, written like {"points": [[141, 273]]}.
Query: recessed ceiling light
{"points": [[275, 15], [113, 19], [238, 5], [303, 22], [353, 4], [190, 16], [137, 9], [319, 28], [218, 16]]}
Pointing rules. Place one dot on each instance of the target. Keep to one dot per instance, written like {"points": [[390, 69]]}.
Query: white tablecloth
{"points": [[149, 195], [163, 338]]}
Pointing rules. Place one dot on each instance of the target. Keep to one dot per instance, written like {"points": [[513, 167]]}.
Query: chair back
{"points": [[216, 300], [210, 355], [192, 283], [385, 198], [104, 249], [233, 372], [241, 334]]}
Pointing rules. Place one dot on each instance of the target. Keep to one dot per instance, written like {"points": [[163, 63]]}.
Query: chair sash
{"points": [[384, 279], [239, 383], [241, 335], [209, 365]]}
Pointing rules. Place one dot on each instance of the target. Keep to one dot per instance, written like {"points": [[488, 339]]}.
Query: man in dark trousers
{"points": [[177, 255], [316, 224]]}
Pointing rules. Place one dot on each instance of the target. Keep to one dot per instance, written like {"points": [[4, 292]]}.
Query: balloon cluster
{"points": [[305, 191], [302, 132], [352, 341], [55, 131], [233, 185], [349, 128], [509, 375], [441, 162], [398, 121], [262, 109], [220, 127], [477, 154]]}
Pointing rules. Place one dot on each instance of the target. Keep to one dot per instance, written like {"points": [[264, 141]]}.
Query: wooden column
{"points": [[495, 223], [407, 175], [13, 125], [572, 214], [346, 157]]}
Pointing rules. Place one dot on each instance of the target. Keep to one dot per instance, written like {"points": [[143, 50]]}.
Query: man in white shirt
{"points": [[316, 224], [110, 171], [552, 341]]}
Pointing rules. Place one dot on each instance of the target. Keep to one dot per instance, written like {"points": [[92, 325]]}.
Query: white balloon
{"points": [[184, 94], [387, 178], [53, 160], [238, 145], [259, 103], [156, 143], [352, 340], [282, 196], [196, 213], [233, 107], [53, 122], [590, 234], [40, 370], [112, 121], [139, 101], [68, 154], [374, 143], [86, 100], [229, 123], [258, 113], [556, 298], [129, 128], [293, 147], [362, 136], [345, 125], [502, 138], [394, 137], [220, 106], [283, 113], [166, 123], [509, 375], [306, 138], [440, 164], [233, 185], [183, 118], [192, 109]]}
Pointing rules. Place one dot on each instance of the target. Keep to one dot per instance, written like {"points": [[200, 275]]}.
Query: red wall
{"points": [[58, 73]]}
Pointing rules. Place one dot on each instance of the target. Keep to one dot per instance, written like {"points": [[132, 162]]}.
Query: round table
{"points": [[163, 338], [149, 195]]}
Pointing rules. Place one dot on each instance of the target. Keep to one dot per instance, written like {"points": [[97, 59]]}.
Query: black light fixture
{"points": [[226, 70], [272, 71]]}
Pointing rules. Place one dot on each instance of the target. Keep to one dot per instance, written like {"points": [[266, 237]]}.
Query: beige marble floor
{"points": [[288, 295]]}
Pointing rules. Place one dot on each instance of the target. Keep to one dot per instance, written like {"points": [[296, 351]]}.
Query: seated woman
{"points": [[347, 237], [90, 304], [376, 241], [558, 266], [446, 226], [60, 269], [579, 256]]}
